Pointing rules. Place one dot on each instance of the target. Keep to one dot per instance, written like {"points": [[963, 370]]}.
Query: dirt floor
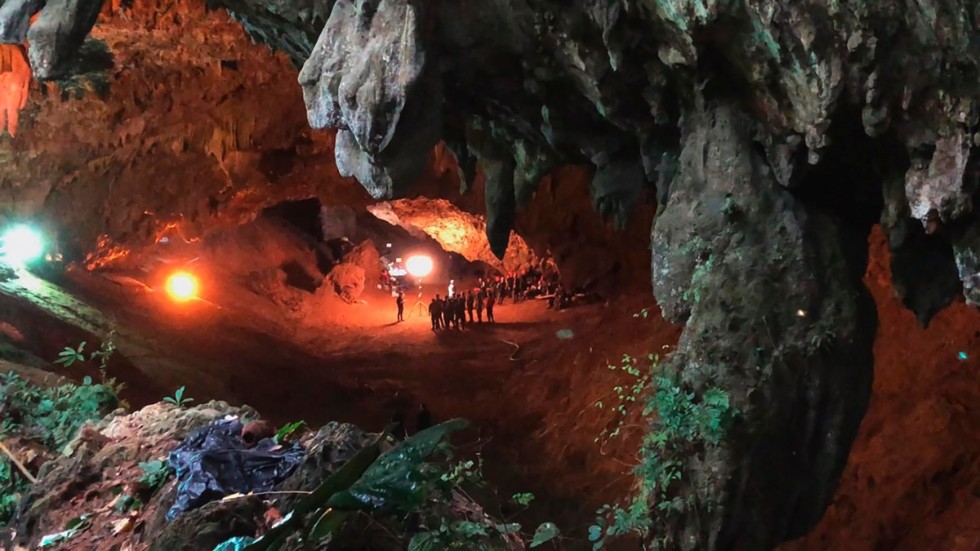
{"points": [[529, 393]]}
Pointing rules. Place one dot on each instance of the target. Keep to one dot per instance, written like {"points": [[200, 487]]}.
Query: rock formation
{"points": [[455, 230], [751, 190], [775, 134], [775, 312]]}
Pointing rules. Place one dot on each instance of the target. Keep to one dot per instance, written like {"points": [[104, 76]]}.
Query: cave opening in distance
{"points": [[302, 214]]}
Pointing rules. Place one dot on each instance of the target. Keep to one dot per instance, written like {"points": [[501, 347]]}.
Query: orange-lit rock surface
{"points": [[457, 231], [193, 126], [15, 81], [912, 481]]}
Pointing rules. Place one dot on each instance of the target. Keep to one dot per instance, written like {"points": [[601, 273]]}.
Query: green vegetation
{"points": [[12, 486], [155, 473], [288, 431], [178, 399], [377, 495], [73, 355], [629, 393], [682, 423], [49, 416]]}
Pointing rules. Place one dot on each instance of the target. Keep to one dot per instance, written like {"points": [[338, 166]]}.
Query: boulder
{"points": [[366, 256], [347, 281]]}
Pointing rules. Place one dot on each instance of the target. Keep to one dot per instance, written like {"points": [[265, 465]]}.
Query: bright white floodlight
{"points": [[20, 245], [419, 266]]}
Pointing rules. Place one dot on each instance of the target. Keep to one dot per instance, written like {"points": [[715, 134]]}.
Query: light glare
{"points": [[419, 266], [21, 245], [182, 286]]}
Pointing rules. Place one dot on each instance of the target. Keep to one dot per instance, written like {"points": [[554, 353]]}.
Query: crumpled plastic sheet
{"points": [[212, 463]]}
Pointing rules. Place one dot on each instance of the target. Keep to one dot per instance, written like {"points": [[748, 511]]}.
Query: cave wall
{"points": [[190, 127], [560, 221], [911, 479]]}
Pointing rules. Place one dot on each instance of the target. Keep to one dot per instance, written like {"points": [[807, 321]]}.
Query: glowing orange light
{"points": [[419, 266], [182, 286]]}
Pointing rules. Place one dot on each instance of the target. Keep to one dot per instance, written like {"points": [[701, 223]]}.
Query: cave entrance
{"points": [[302, 215]]}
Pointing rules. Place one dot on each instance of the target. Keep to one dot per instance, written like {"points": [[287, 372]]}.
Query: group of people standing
{"points": [[458, 310]]}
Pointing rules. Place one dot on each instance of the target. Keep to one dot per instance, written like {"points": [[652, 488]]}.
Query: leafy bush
{"points": [[12, 486], [50, 416], [403, 483], [685, 422]]}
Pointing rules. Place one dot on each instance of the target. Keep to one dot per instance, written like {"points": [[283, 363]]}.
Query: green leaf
{"points": [[87, 381], [425, 541], [511, 528], [469, 530], [288, 429], [545, 533], [394, 479], [155, 473], [523, 499], [329, 522], [342, 479], [595, 532]]}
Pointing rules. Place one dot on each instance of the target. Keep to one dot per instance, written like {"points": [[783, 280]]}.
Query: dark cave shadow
{"points": [[297, 277]]}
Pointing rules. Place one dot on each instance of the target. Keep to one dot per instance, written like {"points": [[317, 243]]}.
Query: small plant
{"points": [[155, 473], [523, 499], [104, 354], [288, 430], [628, 393], [69, 356], [685, 423], [178, 399], [126, 503]]}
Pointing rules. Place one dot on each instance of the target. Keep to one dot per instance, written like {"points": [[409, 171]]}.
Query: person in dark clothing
{"points": [[435, 312], [400, 302], [491, 300], [447, 313], [424, 418], [398, 420], [470, 304], [479, 307], [460, 306], [451, 306]]}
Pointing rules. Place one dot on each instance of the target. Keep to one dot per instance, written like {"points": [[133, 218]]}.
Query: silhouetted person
{"points": [[470, 304], [424, 418], [479, 307], [435, 312], [447, 313], [398, 420], [460, 306], [400, 301], [490, 302]]}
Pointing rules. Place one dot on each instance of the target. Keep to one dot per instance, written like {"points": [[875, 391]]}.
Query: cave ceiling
{"points": [[773, 136]]}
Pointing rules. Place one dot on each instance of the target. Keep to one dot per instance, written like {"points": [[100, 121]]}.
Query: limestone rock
{"points": [[15, 17], [58, 33], [347, 280], [368, 77], [775, 315]]}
